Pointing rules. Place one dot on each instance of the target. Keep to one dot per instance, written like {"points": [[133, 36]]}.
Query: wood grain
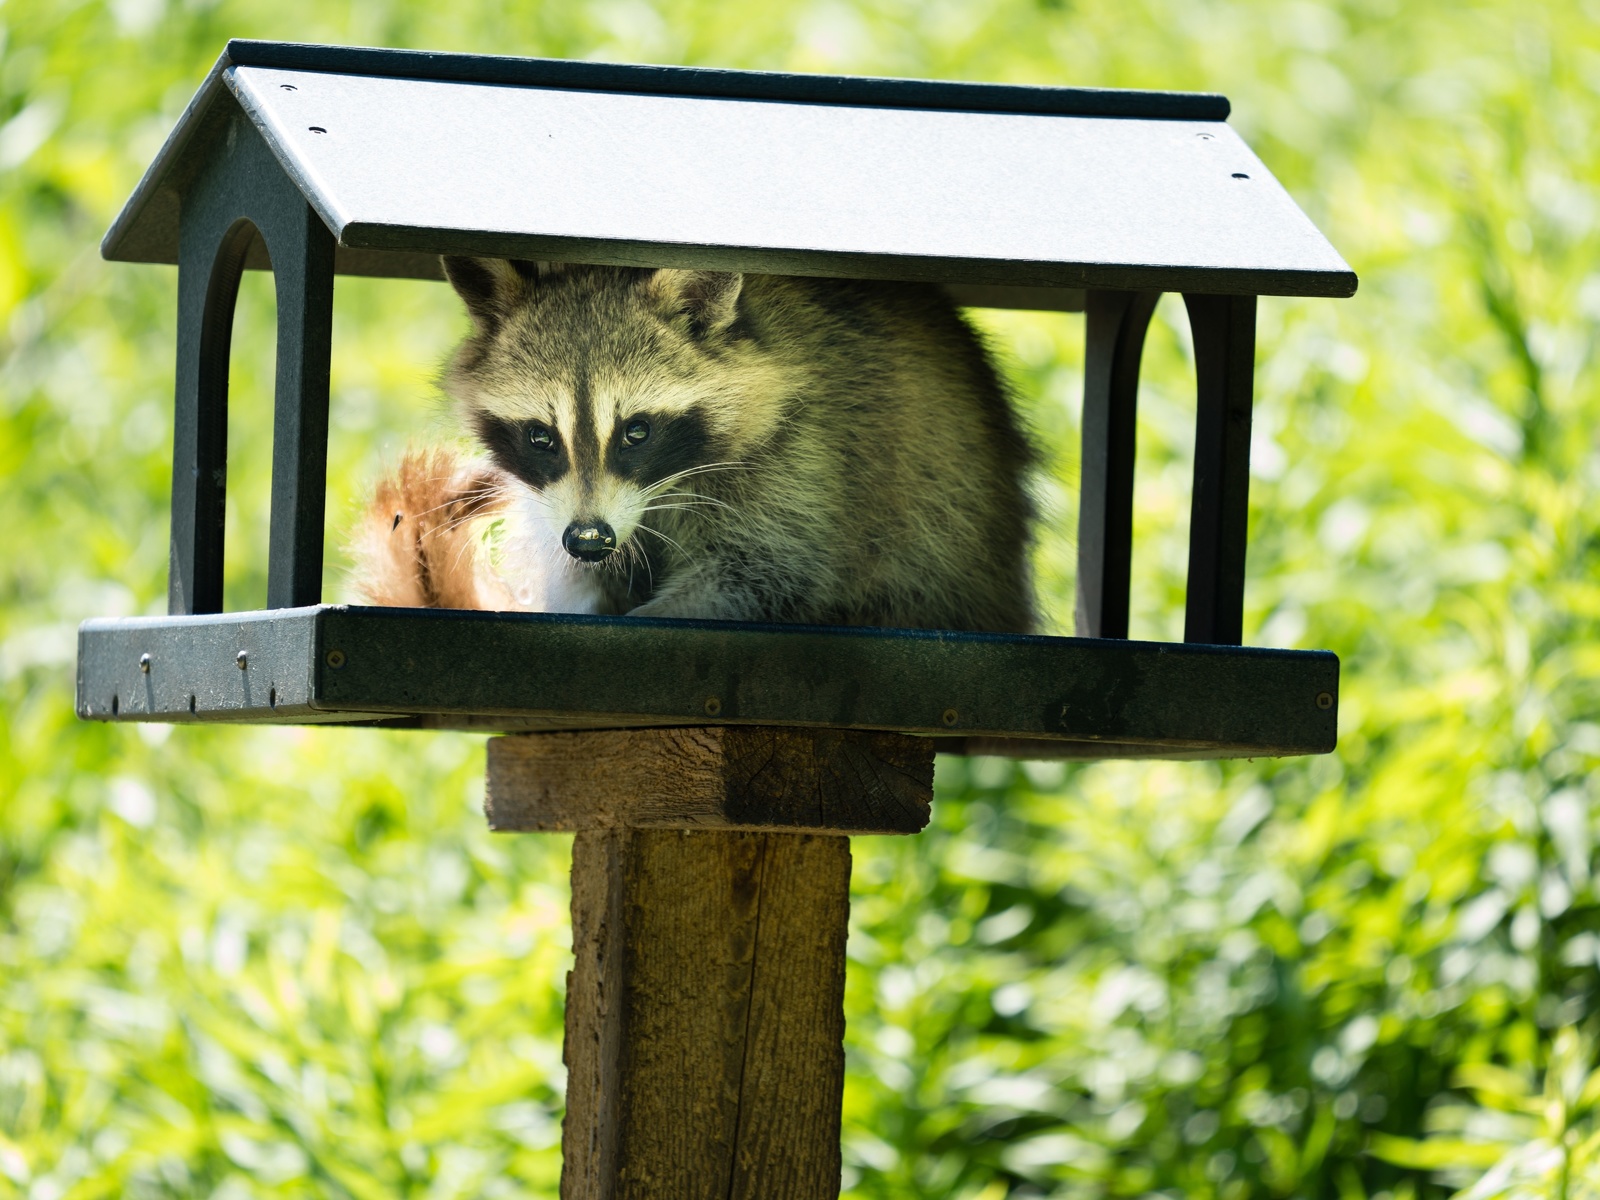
{"points": [[719, 777], [594, 1028], [705, 1016], [792, 1085], [710, 904]]}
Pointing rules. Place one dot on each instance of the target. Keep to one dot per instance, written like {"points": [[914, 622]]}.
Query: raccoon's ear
{"points": [[710, 299], [490, 287]]}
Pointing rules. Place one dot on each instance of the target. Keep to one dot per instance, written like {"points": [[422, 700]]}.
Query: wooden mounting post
{"points": [[710, 903]]}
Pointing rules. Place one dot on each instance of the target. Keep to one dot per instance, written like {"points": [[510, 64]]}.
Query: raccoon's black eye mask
{"points": [[646, 450], [530, 450], [643, 450]]}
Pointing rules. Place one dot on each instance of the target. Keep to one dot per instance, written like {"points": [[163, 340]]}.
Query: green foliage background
{"points": [[242, 962]]}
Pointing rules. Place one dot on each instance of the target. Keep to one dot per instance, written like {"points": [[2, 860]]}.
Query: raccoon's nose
{"points": [[589, 540]]}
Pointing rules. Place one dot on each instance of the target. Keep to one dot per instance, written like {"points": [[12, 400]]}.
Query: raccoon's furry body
{"points": [[751, 447]]}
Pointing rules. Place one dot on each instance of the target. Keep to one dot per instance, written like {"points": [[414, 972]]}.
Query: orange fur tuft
{"points": [[420, 544]]}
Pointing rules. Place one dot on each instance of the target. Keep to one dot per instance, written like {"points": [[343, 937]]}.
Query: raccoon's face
{"points": [[609, 391]]}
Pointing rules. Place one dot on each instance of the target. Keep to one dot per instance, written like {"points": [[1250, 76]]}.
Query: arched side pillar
{"points": [[238, 193], [1115, 328], [1223, 328]]}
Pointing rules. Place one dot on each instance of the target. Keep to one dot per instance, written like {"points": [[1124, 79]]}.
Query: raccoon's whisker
{"points": [[668, 507], [451, 503], [629, 558], [465, 519], [702, 469], [694, 472], [698, 467], [664, 538], [692, 498], [627, 555], [477, 495], [477, 503], [688, 500], [460, 519], [461, 553], [649, 570], [458, 523]]}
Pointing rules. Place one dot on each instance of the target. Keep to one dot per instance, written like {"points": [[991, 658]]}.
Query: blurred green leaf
{"points": [[1435, 1153], [239, 963]]}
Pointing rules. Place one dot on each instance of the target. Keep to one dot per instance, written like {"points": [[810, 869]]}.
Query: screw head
{"points": [[713, 706], [950, 716], [1324, 700], [243, 659], [144, 663], [335, 659]]}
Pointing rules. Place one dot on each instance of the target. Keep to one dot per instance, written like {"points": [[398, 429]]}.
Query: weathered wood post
{"points": [[710, 903]]}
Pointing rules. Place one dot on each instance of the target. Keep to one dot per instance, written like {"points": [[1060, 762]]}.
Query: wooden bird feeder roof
{"points": [[319, 160]]}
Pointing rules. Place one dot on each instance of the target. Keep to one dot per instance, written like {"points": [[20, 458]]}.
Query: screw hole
{"points": [[191, 703], [316, 129], [116, 703], [713, 706], [1204, 137], [288, 87], [272, 697], [950, 716], [1240, 175], [335, 659], [1324, 700]]}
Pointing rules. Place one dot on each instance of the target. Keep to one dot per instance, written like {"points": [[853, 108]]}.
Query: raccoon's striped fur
{"points": [[706, 444]]}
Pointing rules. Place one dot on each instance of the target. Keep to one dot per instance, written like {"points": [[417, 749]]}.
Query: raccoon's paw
{"points": [[699, 600], [420, 543], [672, 608]]}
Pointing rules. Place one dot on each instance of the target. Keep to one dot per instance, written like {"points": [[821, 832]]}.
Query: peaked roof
{"points": [[406, 155]]}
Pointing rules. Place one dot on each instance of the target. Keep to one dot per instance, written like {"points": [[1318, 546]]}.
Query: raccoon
{"points": [[708, 444]]}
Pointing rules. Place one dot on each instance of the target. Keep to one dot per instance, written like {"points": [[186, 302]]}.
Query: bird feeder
{"points": [[710, 768]]}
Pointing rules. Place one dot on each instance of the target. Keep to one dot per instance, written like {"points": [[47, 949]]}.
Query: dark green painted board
{"points": [[1092, 697]]}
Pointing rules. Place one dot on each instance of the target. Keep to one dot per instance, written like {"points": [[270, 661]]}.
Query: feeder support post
{"points": [[239, 197], [710, 905], [1224, 329]]}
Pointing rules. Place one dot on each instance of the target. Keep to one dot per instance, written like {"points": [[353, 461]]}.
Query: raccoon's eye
{"points": [[540, 437], [635, 432]]}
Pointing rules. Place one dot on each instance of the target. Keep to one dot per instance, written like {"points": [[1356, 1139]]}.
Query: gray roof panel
{"points": [[975, 184]]}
